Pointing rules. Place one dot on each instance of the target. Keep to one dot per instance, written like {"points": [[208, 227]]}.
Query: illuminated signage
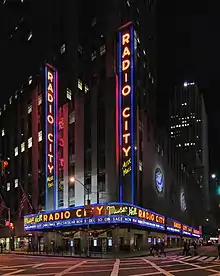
{"points": [[61, 148], [159, 180], [133, 213], [173, 226], [51, 135], [125, 108], [106, 213]]}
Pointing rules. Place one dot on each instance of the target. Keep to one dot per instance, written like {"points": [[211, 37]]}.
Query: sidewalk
{"points": [[94, 255]]}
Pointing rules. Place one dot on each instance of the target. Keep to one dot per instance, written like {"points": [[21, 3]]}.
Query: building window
{"points": [[102, 50], [80, 85], [30, 79], [8, 186], [10, 100], [16, 183], [94, 21], [29, 108], [4, 107], [16, 151], [63, 49], [101, 183], [30, 142], [86, 88], [80, 49], [40, 99], [93, 55], [3, 132], [140, 166], [40, 136], [69, 94], [30, 35], [22, 147]]}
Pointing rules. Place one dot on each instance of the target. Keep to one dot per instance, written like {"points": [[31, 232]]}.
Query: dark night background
{"points": [[188, 50]]}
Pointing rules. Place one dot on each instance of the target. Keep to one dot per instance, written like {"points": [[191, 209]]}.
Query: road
{"points": [[171, 265]]}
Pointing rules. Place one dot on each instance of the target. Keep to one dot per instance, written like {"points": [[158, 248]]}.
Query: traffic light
{"points": [[4, 166], [11, 225]]}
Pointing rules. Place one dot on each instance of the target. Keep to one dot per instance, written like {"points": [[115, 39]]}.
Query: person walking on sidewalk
{"points": [[162, 247]]}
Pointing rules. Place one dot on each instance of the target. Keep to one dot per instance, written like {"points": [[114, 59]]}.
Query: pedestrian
{"points": [[157, 249], [1, 248], [162, 247], [218, 251], [185, 245]]}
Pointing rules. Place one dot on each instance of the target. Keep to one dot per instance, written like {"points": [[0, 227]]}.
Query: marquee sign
{"points": [[112, 212], [51, 82], [125, 109]]}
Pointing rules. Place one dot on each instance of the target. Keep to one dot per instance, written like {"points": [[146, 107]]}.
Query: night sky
{"points": [[190, 30], [189, 48]]}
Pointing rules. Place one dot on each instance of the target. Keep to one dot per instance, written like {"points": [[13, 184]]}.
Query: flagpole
{"points": [[25, 194]]}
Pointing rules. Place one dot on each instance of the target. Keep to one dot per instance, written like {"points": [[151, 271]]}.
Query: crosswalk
{"points": [[194, 258]]}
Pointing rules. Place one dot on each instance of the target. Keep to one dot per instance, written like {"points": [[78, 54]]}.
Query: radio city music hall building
{"points": [[112, 154]]}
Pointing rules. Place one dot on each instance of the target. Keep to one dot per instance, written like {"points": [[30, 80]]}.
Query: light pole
{"points": [[72, 180], [9, 226]]}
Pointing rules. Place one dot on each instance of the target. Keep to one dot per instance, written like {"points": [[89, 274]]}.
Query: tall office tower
{"points": [[189, 133]]}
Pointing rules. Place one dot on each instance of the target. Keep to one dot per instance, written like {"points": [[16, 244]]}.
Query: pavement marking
{"points": [[194, 258], [70, 268], [157, 267], [210, 259], [202, 258], [38, 265], [208, 268], [145, 274], [115, 269], [14, 272]]}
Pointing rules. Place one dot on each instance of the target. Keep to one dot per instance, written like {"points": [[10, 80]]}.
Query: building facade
{"points": [[189, 133], [89, 115]]}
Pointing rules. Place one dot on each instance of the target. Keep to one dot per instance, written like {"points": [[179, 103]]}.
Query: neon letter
{"points": [[50, 158], [50, 76], [126, 137], [49, 97], [50, 119], [126, 90], [50, 137], [125, 64], [125, 38], [126, 151], [126, 52], [50, 167], [125, 112], [50, 87]]}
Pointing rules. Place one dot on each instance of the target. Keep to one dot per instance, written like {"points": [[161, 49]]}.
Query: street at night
{"points": [[171, 265]]}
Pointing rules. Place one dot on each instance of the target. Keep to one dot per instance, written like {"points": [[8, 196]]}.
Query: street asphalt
{"points": [[14, 264]]}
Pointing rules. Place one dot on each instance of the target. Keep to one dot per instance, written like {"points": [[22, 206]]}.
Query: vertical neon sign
{"points": [[51, 90], [125, 112]]}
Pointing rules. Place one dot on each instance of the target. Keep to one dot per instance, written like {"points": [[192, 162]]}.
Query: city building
{"points": [[80, 136], [189, 133]]}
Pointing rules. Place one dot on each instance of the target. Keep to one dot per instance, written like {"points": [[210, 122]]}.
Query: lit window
{"points": [[94, 21], [3, 132], [40, 99], [80, 49], [69, 94], [86, 88], [30, 36], [93, 55], [102, 50], [10, 100], [4, 107], [128, 3], [8, 186], [72, 118], [29, 108], [22, 147], [80, 85], [40, 136], [16, 94], [30, 142], [0, 112], [16, 151], [30, 80], [140, 166], [16, 183], [63, 49]]}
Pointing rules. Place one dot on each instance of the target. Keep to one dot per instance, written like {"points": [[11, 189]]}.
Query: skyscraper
{"points": [[189, 133]]}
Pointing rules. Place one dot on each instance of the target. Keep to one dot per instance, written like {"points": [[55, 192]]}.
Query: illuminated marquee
{"points": [[106, 213], [125, 108], [51, 135]]}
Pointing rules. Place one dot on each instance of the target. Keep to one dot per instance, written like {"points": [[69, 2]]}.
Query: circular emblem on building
{"points": [[159, 180]]}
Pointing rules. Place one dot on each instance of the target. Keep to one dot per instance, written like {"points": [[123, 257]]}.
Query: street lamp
{"points": [[72, 180], [213, 176]]}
